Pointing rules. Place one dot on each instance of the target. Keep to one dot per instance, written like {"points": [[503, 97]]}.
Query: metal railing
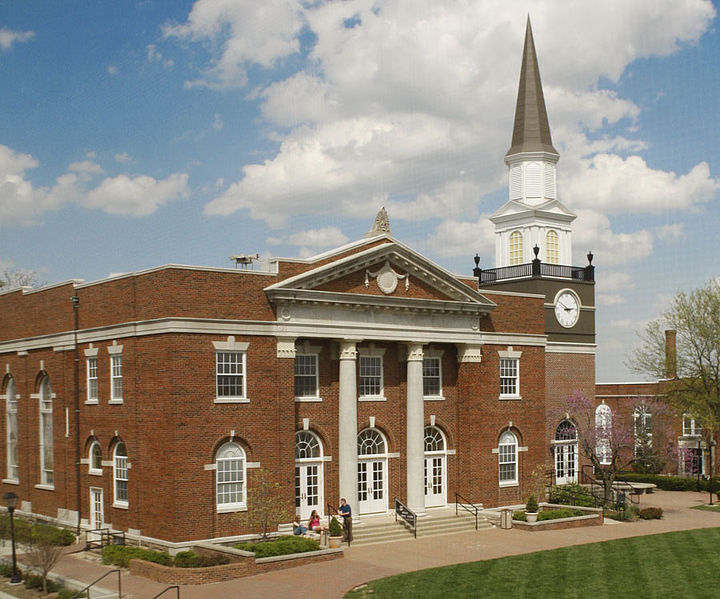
{"points": [[406, 514], [529, 269], [174, 587], [467, 506], [92, 584], [597, 489], [104, 537]]}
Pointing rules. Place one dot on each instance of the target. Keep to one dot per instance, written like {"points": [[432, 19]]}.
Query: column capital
{"points": [[286, 347], [469, 353], [414, 352], [348, 349]]}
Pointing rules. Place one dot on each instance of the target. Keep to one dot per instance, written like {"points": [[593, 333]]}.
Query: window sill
{"points": [[508, 484], [434, 398], [228, 509], [120, 506], [115, 402], [232, 400], [91, 402], [10, 481], [45, 487], [308, 399], [372, 398], [510, 397], [95, 472]]}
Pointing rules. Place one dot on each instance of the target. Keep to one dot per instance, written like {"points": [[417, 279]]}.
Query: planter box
{"points": [[593, 517]]}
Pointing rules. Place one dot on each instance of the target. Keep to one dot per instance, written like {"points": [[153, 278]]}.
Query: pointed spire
{"points": [[531, 132], [381, 226]]}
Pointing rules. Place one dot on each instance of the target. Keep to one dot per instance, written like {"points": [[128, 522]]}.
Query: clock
{"points": [[567, 308]]}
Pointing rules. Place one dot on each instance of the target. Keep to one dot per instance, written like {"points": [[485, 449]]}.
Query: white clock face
{"points": [[567, 309]]}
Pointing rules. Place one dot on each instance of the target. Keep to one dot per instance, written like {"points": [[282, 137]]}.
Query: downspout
{"points": [[76, 307]]}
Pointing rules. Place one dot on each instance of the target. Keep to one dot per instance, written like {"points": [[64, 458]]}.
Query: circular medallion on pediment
{"points": [[387, 280]]}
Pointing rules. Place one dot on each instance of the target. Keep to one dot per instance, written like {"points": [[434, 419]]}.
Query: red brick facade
{"points": [[167, 320]]}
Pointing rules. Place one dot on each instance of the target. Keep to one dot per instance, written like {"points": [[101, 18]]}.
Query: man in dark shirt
{"points": [[346, 514]]}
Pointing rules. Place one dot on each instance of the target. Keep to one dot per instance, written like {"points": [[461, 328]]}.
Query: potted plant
{"points": [[531, 509], [335, 533]]}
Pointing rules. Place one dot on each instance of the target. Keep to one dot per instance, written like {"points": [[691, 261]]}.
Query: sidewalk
{"points": [[331, 580]]}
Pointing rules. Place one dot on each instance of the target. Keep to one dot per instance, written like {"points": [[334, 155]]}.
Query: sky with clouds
{"points": [[142, 133]]}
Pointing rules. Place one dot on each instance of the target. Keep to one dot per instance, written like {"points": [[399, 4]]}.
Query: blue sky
{"points": [[142, 133]]}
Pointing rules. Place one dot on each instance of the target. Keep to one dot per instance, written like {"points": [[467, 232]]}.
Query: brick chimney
{"points": [[670, 355]]}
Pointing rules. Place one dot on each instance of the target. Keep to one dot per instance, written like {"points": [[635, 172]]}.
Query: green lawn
{"points": [[708, 508], [679, 564]]}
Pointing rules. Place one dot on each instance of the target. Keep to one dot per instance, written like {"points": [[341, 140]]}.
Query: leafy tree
{"points": [[695, 317], [613, 440], [44, 548], [267, 504], [18, 277]]}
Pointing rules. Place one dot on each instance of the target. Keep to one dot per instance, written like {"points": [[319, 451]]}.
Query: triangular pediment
{"points": [[389, 274], [516, 210]]}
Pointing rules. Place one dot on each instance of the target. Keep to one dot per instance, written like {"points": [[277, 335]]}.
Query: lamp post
{"points": [[712, 444], [11, 503]]}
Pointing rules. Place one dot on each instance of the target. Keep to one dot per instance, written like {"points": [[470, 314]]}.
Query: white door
{"points": [[372, 496], [565, 464], [308, 489], [97, 514], [434, 481]]}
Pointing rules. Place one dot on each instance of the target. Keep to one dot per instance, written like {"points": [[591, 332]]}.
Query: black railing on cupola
{"points": [[536, 268]]}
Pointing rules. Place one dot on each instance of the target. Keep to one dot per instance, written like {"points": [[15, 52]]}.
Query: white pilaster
{"points": [[415, 430], [347, 425]]}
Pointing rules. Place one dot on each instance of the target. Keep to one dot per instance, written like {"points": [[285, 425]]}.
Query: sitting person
{"points": [[298, 529], [314, 522]]}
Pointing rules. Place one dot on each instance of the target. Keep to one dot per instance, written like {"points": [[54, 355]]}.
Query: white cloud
{"points": [[9, 37], [456, 238], [671, 232], [217, 123], [112, 69], [138, 196], [319, 238], [154, 55], [615, 281], [592, 232], [123, 158], [86, 166]]}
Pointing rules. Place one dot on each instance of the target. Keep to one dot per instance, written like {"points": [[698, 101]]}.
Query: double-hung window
{"points": [[116, 372], [507, 459], [432, 377], [120, 475], [230, 478], [46, 433], [691, 427], [92, 380], [230, 371], [95, 458], [371, 376], [12, 430], [306, 377], [510, 374]]}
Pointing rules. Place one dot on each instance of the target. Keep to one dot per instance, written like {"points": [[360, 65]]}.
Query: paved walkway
{"points": [[332, 580]]}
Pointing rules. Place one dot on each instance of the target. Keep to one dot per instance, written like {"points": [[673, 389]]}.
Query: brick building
{"points": [[155, 401]]}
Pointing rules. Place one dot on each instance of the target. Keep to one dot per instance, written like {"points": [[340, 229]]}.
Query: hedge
{"points": [[281, 546], [121, 555], [670, 483], [190, 559]]}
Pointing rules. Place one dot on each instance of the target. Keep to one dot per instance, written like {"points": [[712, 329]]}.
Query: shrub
{"points": [[572, 494], [519, 515], [670, 483], [35, 581], [282, 546], [531, 505], [335, 528], [65, 593], [121, 556], [190, 559], [651, 513], [6, 570], [560, 513]]}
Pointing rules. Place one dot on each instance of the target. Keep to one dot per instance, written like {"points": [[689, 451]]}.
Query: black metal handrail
{"points": [[406, 514], [467, 506], [105, 537], [176, 587], [614, 491], [87, 588], [529, 269]]}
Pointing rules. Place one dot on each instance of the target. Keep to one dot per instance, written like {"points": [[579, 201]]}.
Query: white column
{"points": [[415, 430], [347, 425]]}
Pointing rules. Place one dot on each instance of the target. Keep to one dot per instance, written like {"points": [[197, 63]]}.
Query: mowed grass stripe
{"points": [[679, 564]]}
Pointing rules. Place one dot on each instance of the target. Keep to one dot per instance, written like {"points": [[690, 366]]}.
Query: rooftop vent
{"points": [[245, 261]]}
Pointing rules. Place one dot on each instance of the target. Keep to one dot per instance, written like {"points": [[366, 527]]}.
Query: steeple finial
{"points": [[381, 225], [531, 132]]}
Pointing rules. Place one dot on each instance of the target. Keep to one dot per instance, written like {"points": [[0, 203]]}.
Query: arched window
{"points": [[552, 248], [603, 433], [516, 248], [46, 432], [643, 430], [120, 474], [566, 431], [434, 439], [307, 446], [507, 459], [12, 430], [95, 458], [371, 442], [230, 477]]}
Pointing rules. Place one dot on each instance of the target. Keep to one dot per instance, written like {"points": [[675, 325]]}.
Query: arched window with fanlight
{"points": [[230, 467], [11, 434], [435, 467], [552, 248], [508, 459], [47, 471], [120, 475], [372, 471], [566, 452], [603, 433], [95, 458], [515, 248], [308, 474]]}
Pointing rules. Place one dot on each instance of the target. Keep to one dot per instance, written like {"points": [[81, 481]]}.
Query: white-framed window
{"points": [[116, 378], [92, 379], [230, 373], [230, 467], [691, 427], [552, 248], [13, 472], [95, 458], [507, 459], [371, 376], [515, 248], [306, 377], [643, 427], [603, 433], [46, 432], [120, 475], [509, 377], [432, 377]]}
